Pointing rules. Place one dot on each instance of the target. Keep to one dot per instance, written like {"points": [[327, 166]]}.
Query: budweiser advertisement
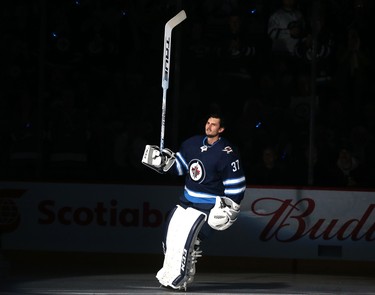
{"points": [[114, 218]]}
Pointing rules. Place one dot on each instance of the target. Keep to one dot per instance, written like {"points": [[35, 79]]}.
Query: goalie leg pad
{"points": [[181, 237]]}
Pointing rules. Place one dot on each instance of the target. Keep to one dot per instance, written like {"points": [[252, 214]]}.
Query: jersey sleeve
{"points": [[181, 166], [234, 180]]}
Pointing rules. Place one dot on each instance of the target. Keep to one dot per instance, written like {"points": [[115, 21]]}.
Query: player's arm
{"points": [[181, 166], [234, 179], [227, 209]]}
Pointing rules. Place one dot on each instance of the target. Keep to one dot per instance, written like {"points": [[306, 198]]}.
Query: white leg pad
{"points": [[182, 233]]}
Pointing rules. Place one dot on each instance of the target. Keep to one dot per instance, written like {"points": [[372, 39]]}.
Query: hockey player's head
{"points": [[214, 126]]}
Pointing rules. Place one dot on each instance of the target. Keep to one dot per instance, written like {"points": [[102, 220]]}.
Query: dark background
{"points": [[81, 89]]}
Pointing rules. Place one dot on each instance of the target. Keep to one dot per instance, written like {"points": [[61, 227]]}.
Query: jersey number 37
{"points": [[235, 165]]}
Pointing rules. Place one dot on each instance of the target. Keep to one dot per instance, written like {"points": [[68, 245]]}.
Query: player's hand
{"points": [[223, 214], [168, 159], [160, 161]]}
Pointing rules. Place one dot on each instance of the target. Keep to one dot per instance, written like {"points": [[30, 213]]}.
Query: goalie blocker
{"points": [[160, 161]]}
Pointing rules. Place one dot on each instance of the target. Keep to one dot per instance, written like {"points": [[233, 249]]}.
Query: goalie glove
{"points": [[223, 214], [156, 160], [169, 159]]}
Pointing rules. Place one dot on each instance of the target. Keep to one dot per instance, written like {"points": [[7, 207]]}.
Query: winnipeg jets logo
{"points": [[228, 150], [196, 170]]}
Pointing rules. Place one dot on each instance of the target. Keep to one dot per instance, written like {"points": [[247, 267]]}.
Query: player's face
{"points": [[213, 128]]}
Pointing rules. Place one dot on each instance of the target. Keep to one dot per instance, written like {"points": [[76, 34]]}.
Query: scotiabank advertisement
{"points": [[115, 218]]}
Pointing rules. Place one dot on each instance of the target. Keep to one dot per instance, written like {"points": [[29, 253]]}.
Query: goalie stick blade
{"points": [[174, 21]]}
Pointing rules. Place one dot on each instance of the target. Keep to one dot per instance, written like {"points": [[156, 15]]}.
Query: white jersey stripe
{"points": [[199, 195], [234, 180], [182, 160]]}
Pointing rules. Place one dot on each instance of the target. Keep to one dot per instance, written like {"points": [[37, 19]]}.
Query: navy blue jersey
{"points": [[211, 170]]}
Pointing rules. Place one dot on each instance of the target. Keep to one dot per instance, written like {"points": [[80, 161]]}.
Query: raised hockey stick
{"points": [[174, 21]]}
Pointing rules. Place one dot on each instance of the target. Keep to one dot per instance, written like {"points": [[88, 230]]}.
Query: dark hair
{"points": [[220, 117]]}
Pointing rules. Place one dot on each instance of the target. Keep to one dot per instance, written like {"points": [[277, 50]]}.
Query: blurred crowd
{"points": [[81, 87]]}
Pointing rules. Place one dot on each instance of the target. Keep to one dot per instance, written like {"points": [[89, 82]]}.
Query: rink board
{"points": [[114, 218]]}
